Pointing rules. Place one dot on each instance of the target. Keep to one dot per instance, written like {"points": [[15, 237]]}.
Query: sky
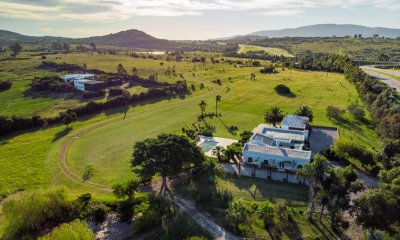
{"points": [[188, 19]]}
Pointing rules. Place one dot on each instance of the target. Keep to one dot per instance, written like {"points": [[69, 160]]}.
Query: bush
{"points": [[88, 95], [5, 85], [147, 214], [76, 230], [115, 92], [333, 112], [268, 70], [356, 111], [282, 89], [52, 83], [30, 212]]}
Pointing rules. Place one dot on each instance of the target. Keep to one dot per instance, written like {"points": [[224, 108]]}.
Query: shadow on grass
{"points": [[230, 130], [62, 133], [288, 95]]}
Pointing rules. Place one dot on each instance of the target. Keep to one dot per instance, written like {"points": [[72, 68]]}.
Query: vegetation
{"points": [[273, 115], [76, 230], [166, 155]]}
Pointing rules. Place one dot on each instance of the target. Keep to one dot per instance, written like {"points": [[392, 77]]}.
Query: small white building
{"points": [[279, 147], [80, 84], [73, 77]]}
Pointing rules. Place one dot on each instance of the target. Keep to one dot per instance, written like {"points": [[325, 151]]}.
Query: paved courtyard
{"points": [[322, 138]]}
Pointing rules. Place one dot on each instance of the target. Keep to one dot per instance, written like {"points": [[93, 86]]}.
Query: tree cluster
{"points": [[5, 85]]}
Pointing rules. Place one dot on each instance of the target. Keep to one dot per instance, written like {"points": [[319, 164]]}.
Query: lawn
{"points": [[29, 160], [244, 48], [204, 193]]}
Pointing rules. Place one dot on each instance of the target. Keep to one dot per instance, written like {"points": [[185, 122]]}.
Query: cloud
{"points": [[284, 13], [108, 10]]}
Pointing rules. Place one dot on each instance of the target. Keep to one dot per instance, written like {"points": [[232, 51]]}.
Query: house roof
{"points": [[93, 82], [277, 151], [294, 121], [279, 133], [78, 76]]}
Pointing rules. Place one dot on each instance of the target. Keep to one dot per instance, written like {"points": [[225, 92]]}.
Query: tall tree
{"points": [[166, 155], [202, 106], [121, 70], [217, 100], [15, 48], [339, 185], [314, 173], [273, 115], [305, 111]]}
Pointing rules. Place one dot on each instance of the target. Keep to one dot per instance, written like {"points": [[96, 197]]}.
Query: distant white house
{"points": [[279, 147], [72, 77]]}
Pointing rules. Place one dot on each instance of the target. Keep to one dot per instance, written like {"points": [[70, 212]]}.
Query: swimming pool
{"points": [[207, 145]]}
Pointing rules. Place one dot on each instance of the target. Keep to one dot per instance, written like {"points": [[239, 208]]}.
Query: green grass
{"points": [[244, 48], [29, 160]]}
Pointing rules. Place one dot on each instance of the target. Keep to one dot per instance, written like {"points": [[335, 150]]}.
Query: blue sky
{"points": [[188, 19]]}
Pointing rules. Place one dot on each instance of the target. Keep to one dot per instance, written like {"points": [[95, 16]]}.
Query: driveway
{"points": [[322, 138], [391, 82]]}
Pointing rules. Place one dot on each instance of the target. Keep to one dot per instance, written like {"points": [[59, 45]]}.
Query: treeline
{"points": [[12, 124], [318, 61], [381, 101]]}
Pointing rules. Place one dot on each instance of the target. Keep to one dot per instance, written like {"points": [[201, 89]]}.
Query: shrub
{"points": [[115, 92], [5, 85], [30, 212], [333, 112], [76, 230], [88, 173], [87, 94], [282, 89], [356, 111], [268, 70]]}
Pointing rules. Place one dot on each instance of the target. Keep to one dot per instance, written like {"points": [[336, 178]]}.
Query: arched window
{"points": [[299, 167], [265, 163], [249, 160]]}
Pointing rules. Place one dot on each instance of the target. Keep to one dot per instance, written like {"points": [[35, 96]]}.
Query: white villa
{"points": [[279, 147]]}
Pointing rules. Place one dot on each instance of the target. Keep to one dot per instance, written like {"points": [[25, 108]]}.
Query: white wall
{"points": [[272, 159], [80, 85]]}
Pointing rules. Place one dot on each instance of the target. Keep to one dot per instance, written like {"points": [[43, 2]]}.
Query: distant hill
{"points": [[130, 38], [328, 30], [11, 37]]}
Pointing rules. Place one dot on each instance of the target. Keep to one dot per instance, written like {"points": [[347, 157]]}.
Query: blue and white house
{"points": [[70, 78], [279, 147]]}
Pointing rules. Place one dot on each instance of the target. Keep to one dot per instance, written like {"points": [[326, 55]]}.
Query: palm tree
{"points": [[217, 100], [213, 168], [218, 151], [273, 115], [305, 111], [203, 106]]}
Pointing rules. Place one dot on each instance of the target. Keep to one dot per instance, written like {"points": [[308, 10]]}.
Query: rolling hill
{"points": [[327, 30]]}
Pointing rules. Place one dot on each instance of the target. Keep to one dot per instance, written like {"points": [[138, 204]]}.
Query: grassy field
{"points": [[363, 49], [244, 48], [251, 189], [26, 159]]}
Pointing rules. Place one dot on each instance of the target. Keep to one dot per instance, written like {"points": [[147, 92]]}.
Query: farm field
{"points": [[105, 141], [244, 48]]}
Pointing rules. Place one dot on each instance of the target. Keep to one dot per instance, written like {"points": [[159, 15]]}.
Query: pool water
{"points": [[207, 145]]}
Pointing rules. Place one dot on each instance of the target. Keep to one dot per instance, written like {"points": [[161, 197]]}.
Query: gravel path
{"points": [[204, 221]]}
